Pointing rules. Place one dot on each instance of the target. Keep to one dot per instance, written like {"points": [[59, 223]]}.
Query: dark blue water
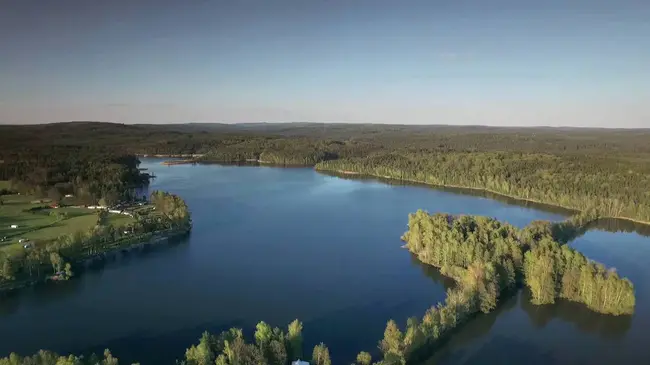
{"points": [[277, 244]]}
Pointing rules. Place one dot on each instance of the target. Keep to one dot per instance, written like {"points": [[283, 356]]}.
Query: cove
{"points": [[277, 244]]}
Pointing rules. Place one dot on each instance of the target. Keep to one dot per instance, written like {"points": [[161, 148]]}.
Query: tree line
{"points": [[269, 346], [198, 138], [44, 357], [90, 175], [610, 187], [59, 255]]}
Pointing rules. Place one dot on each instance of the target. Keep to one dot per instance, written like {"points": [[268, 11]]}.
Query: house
{"points": [[299, 362], [14, 226], [69, 195]]}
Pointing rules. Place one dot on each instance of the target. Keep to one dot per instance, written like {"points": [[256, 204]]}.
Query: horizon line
{"points": [[327, 123]]}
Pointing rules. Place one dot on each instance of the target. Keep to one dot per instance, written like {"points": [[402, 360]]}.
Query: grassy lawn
{"points": [[4, 184], [40, 226]]}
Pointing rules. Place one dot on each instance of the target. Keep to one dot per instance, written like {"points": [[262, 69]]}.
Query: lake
{"points": [[276, 244]]}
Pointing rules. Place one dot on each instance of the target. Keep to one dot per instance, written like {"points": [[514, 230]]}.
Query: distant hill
{"points": [[194, 137]]}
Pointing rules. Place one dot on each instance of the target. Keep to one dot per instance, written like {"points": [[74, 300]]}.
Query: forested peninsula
{"points": [[567, 181], [62, 206]]}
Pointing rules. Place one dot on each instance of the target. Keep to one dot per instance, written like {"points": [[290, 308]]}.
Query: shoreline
{"points": [[356, 173], [178, 162], [247, 162], [146, 239], [177, 155], [348, 172]]}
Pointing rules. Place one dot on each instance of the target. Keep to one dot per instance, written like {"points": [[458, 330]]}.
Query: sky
{"points": [[498, 62]]}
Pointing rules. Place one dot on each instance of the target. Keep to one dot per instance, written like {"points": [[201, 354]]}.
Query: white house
{"points": [[14, 226], [300, 362]]}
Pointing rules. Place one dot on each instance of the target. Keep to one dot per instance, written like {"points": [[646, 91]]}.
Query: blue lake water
{"points": [[277, 244]]}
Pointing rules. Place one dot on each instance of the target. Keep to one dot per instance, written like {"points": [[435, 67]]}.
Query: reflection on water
{"points": [[433, 273], [476, 328], [48, 293], [459, 191], [613, 225], [585, 320]]}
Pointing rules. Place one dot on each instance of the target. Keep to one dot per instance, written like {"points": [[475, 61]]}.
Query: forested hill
{"points": [[601, 169], [200, 138]]}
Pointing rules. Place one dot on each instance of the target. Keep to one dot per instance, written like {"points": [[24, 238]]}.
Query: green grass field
{"points": [[4, 184], [40, 226]]}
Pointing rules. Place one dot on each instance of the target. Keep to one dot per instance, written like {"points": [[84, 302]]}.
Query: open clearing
{"points": [[44, 224]]}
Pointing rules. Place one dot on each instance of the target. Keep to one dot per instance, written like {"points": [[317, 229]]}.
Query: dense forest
{"points": [[203, 137], [582, 169], [613, 188], [88, 174]]}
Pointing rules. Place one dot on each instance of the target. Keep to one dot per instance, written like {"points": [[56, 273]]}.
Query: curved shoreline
{"points": [[348, 172], [356, 173], [145, 239]]}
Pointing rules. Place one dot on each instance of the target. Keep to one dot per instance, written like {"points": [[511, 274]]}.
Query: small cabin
{"points": [[13, 226], [299, 362]]}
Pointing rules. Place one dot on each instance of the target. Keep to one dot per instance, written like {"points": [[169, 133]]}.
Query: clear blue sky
{"points": [[514, 62]]}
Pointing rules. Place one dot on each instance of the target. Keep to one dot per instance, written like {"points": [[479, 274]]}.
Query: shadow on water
{"points": [[369, 324], [49, 292], [476, 328], [433, 273], [615, 225], [585, 320], [497, 350], [158, 349], [369, 319], [472, 343]]}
